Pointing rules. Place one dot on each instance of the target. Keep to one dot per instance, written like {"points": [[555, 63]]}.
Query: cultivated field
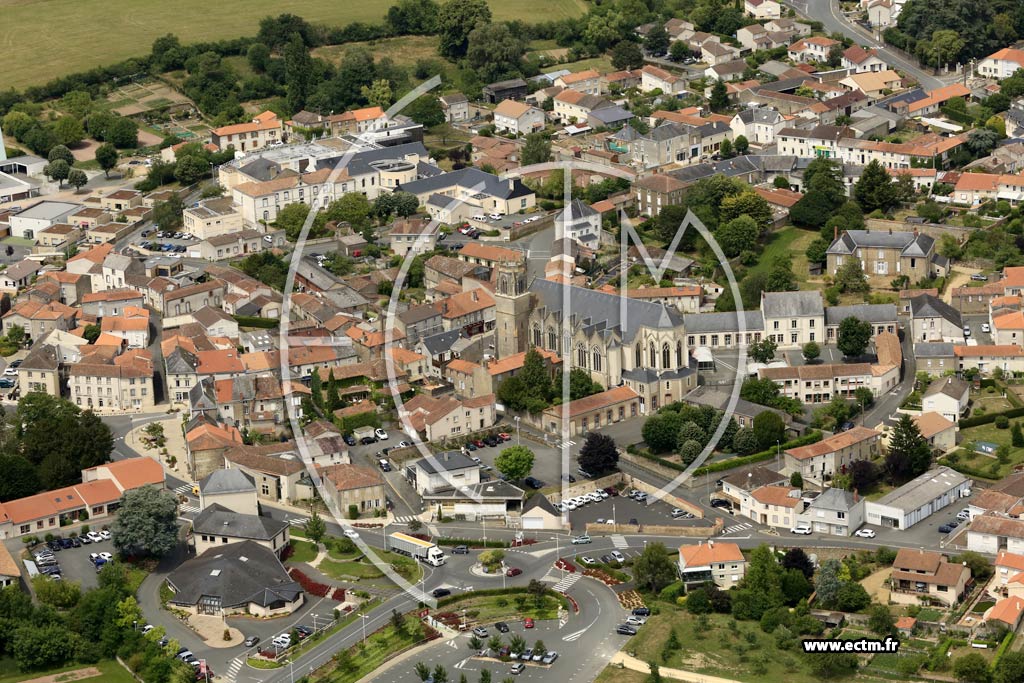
{"points": [[44, 39]]}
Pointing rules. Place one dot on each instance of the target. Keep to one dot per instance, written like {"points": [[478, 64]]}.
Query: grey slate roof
{"points": [[792, 304], [759, 115], [722, 322], [872, 313], [180, 361], [933, 350], [833, 499], [217, 520], [601, 312], [613, 114], [950, 386], [649, 375], [469, 177], [360, 162], [441, 342], [706, 396], [908, 243], [577, 209], [445, 461], [928, 306], [231, 480], [237, 573]]}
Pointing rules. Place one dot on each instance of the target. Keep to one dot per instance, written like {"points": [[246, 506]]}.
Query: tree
{"points": [[456, 19], [423, 671], [412, 17], [627, 55], [811, 351], [745, 441], [827, 583], [719, 100], [167, 215], [831, 664], [880, 620], [678, 51], [58, 170], [661, 431], [315, 527], [817, 250], [61, 152], [863, 473], [440, 674], [425, 110], [761, 587], [725, 149], [515, 462], [654, 569], [737, 235], [874, 190], [58, 594], [971, 668], [92, 332], [122, 132], [796, 558], [981, 568], [762, 351], [854, 336], [656, 41], [494, 51], [297, 72], [945, 47], [536, 149], [146, 523], [852, 597], [20, 478], [581, 385], [981, 141], [796, 480], [598, 453], [69, 130], [850, 277], [909, 453], [352, 208], [378, 93], [1010, 668], [77, 178], [1016, 435], [741, 144], [106, 157]]}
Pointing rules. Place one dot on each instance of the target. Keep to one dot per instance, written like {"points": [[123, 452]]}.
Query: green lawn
{"points": [[92, 35], [718, 651], [304, 551], [366, 657], [111, 672], [491, 608], [613, 674], [984, 463], [404, 51], [349, 570], [788, 241], [602, 64]]}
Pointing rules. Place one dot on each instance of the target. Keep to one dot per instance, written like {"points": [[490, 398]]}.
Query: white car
{"points": [[105, 534], [9, 371], [801, 529], [570, 506], [351, 533], [94, 536], [634, 620], [864, 533], [619, 557], [587, 560], [105, 556], [380, 434], [985, 328]]}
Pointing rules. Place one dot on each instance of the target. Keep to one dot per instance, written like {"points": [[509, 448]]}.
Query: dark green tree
{"points": [[719, 100], [146, 523], [515, 462], [656, 41], [627, 55], [909, 453], [654, 568], [854, 336], [536, 149], [456, 19], [106, 157], [598, 453], [762, 351]]}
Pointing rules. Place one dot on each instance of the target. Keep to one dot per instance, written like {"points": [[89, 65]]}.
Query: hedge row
{"points": [[452, 599], [987, 419], [968, 470], [721, 466], [472, 543], [255, 321]]}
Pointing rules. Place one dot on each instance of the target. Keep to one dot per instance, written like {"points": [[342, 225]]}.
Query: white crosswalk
{"points": [[567, 582], [183, 490], [564, 444], [405, 519], [736, 528], [233, 668], [297, 521], [188, 508], [619, 541]]}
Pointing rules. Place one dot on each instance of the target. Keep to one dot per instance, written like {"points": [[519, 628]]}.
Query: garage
{"points": [[540, 514]]}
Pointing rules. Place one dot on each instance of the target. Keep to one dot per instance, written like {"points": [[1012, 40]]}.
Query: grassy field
{"points": [[404, 51], [788, 241], [366, 657], [304, 551], [490, 608], [93, 33], [111, 672], [979, 461]]}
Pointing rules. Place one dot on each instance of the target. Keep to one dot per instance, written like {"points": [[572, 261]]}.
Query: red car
{"points": [[505, 437], [528, 622], [479, 443], [513, 571]]}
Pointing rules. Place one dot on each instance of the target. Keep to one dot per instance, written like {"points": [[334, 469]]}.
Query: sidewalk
{"points": [[634, 664]]}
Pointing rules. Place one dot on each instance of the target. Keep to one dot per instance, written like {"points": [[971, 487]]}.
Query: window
{"points": [[666, 356], [596, 359], [552, 340], [653, 353], [581, 356]]}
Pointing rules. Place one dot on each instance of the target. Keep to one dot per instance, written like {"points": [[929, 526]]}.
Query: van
{"points": [[385, 466]]}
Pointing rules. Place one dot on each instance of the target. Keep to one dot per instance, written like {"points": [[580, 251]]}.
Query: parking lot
{"points": [[624, 510], [75, 564], [173, 244]]}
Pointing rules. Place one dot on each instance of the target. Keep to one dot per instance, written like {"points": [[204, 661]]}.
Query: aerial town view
{"points": [[498, 341]]}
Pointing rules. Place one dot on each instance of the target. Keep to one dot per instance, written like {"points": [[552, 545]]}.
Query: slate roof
{"points": [[872, 313], [933, 350], [441, 342], [601, 312], [469, 177], [926, 306], [792, 304], [220, 521], [231, 480], [237, 573], [950, 386], [908, 243], [722, 322], [446, 461], [833, 499]]}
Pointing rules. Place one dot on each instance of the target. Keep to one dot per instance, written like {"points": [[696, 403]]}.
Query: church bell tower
{"points": [[511, 308]]}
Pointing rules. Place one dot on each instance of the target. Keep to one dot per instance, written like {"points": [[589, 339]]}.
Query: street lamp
{"points": [[558, 554], [516, 418], [364, 618]]}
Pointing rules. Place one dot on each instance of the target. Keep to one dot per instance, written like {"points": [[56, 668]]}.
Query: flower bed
{"points": [[631, 599], [338, 595], [288, 551], [565, 565], [601, 576], [572, 601], [312, 587]]}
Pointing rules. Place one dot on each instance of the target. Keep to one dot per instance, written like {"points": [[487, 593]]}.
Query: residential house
{"points": [[573, 106], [774, 506], [581, 223], [938, 431], [985, 357], [715, 561], [442, 471], [124, 384], [835, 512], [762, 9], [264, 129], [888, 255], [217, 526], [517, 118], [874, 84], [933, 320], [947, 396], [922, 576], [820, 383], [37, 318], [758, 125], [414, 235], [859, 60], [1002, 63], [276, 469], [655, 78], [833, 455], [587, 82], [211, 218], [440, 418], [813, 49], [455, 107], [132, 325], [353, 488], [230, 489], [738, 485], [19, 275], [656, 191]]}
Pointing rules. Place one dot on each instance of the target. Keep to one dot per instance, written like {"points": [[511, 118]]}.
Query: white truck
{"points": [[424, 551]]}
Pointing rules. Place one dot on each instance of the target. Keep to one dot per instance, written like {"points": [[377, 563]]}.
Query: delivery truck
{"points": [[424, 551]]}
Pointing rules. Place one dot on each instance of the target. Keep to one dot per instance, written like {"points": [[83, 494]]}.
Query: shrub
{"points": [[1002, 422]]}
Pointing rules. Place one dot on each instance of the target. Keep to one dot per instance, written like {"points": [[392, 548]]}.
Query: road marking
{"points": [[297, 521], [405, 519], [188, 508], [184, 490], [736, 528], [574, 636], [619, 542], [567, 582]]}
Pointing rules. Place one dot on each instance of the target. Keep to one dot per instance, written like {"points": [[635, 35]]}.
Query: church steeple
{"points": [[511, 308]]}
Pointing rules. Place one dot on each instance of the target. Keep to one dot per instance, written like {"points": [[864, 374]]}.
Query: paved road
{"points": [[827, 12]]}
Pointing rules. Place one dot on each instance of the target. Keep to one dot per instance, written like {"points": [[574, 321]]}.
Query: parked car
{"points": [[480, 632], [986, 328], [251, 641], [802, 529], [440, 592], [460, 550], [491, 441], [367, 440], [528, 622], [380, 434], [945, 529], [641, 611], [304, 632], [633, 620], [534, 483], [587, 560], [349, 440], [106, 557], [625, 630], [351, 533], [549, 658], [517, 668], [479, 443], [95, 536], [721, 503], [864, 533], [978, 277], [618, 557], [967, 330], [105, 534], [502, 627], [677, 513]]}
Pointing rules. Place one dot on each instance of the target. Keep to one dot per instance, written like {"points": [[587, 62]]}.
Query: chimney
{"points": [[915, 231], [835, 232], [856, 496]]}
